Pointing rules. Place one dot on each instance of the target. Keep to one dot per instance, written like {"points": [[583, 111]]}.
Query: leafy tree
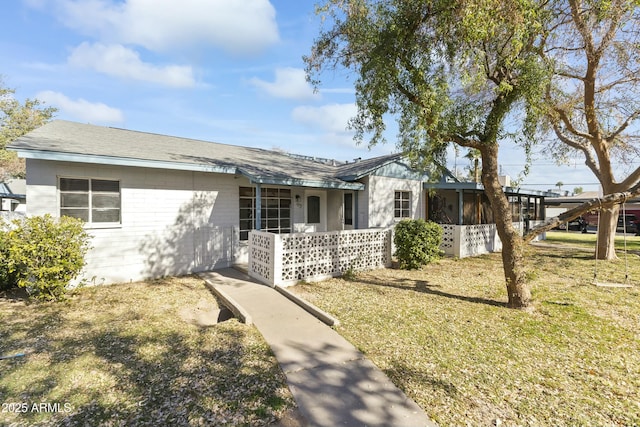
{"points": [[17, 119], [474, 169], [450, 72], [594, 96]]}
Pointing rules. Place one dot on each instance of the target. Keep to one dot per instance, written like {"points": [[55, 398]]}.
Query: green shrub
{"points": [[350, 274], [44, 254], [8, 279], [417, 243]]}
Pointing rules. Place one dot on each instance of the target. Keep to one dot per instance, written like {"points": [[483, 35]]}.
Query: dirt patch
{"points": [[292, 418], [206, 313]]}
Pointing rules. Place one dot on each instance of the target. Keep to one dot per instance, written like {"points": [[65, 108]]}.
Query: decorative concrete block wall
{"points": [[470, 240], [284, 259]]}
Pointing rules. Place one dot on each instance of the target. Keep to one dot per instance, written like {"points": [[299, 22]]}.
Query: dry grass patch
{"points": [[129, 354], [444, 336]]}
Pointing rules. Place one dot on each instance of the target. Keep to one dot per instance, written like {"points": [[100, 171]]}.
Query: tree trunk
{"points": [[518, 291], [607, 224]]}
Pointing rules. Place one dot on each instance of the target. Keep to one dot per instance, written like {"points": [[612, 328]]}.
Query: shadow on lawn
{"points": [[424, 287], [162, 390], [137, 378], [404, 374]]}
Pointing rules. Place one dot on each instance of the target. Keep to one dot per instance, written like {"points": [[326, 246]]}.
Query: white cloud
{"points": [[81, 109], [289, 83], [329, 118], [237, 26], [117, 60]]}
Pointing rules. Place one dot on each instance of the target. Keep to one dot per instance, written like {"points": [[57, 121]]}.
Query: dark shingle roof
{"points": [[357, 170], [64, 140]]}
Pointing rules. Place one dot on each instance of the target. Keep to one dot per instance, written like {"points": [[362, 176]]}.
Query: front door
{"points": [[315, 210]]}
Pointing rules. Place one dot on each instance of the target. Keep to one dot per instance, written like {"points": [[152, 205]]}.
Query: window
{"points": [[348, 209], [275, 210], [91, 200], [402, 204], [313, 210]]}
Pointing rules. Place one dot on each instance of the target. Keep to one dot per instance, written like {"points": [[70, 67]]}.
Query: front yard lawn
{"points": [[143, 354], [444, 336], [588, 241]]}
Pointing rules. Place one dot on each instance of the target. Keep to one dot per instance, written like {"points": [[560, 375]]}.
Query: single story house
{"points": [[161, 205]]}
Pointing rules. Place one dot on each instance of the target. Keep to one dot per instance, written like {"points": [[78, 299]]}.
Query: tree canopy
{"points": [[17, 119], [594, 96], [449, 72]]}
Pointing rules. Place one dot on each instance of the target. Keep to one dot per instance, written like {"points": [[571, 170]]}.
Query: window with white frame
{"points": [[91, 200], [275, 210], [402, 204]]}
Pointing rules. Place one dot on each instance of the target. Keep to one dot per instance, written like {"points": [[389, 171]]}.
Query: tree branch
{"points": [[584, 148], [410, 95], [632, 179], [567, 122], [597, 203], [623, 126], [611, 32], [569, 75]]}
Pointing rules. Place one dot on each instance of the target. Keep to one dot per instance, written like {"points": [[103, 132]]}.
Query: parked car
{"points": [[632, 223], [591, 220], [577, 224]]}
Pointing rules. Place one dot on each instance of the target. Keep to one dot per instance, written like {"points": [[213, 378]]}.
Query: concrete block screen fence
{"points": [[471, 240], [284, 259]]}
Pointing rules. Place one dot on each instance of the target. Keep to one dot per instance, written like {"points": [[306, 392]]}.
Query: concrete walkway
{"points": [[331, 381]]}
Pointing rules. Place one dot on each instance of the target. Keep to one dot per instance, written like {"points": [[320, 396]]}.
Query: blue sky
{"points": [[229, 71]]}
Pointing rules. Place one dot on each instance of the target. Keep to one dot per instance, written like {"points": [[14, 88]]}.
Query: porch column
{"points": [[460, 207], [355, 209], [258, 207]]}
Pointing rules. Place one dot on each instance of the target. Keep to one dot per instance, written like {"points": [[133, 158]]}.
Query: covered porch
{"points": [[286, 206], [282, 209], [464, 212]]}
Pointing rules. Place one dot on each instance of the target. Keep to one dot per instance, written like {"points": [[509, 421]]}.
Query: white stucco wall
{"points": [[381, 197], [173, 222], [177, 222]]}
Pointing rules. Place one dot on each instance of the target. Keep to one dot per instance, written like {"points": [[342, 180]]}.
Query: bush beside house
{"points": [[42, 254], [417, 243]]}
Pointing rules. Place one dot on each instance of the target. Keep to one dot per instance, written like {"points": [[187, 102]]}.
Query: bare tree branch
{"points": [[632, 179], [569, 125], [623, 126], [590, 161], [597, 203]]}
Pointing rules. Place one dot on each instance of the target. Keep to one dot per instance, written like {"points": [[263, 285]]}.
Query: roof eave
{"points": [[120, 161], [295, 182], [302, 182], [453, 186], [476, 186]]}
